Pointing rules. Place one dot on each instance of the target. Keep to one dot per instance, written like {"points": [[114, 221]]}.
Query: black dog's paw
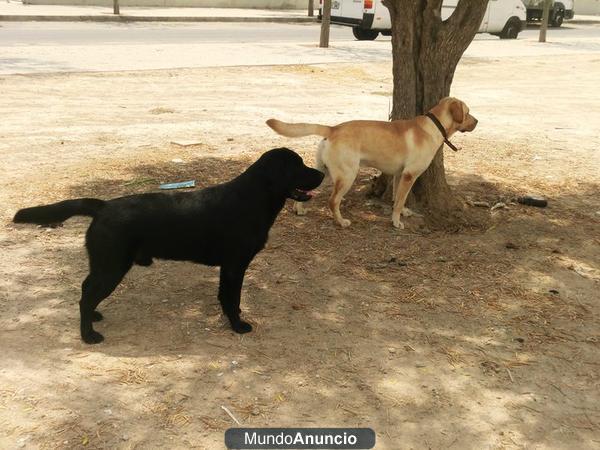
{"points": [[92, 337], [242, 327], [97, 316]]}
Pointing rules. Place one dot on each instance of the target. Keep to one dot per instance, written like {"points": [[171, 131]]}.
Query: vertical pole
{"points": [[545, 17], [311, 8], [325, 24], [116, 7]]}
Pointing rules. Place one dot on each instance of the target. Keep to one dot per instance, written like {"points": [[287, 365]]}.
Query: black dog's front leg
{"points": [[230, 289]]}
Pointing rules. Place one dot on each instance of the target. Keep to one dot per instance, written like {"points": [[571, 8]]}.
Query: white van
{"points": [[368, 18], [559, 10]]}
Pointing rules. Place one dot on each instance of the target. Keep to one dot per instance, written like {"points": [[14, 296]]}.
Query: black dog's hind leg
{"points": [[110, 259], [230, 289], [96, 287]]}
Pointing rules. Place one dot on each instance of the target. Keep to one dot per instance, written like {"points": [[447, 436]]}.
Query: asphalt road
{"points": [[68, 33], [49, 47]]}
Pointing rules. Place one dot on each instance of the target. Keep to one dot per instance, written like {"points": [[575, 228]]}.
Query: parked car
{"points": [[559, 11], [368, 18]]}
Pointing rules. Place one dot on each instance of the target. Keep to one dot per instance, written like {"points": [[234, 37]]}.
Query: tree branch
{"points": [[464, 11], [463, 24], [435, 8], [432, 19]]}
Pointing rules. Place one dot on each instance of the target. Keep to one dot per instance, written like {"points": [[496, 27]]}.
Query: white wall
{"points": [[587, 6], [266, 4]]}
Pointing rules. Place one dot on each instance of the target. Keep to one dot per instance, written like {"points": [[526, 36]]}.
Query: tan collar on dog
{"points": [[442, 130]]}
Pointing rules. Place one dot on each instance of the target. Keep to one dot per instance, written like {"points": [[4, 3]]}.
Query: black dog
{"points": [[224, 225]]}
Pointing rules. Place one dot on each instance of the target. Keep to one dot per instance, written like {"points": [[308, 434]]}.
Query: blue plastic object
{"points": [[180, 185]]}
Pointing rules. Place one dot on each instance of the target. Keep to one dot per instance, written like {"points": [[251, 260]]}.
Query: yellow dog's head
{"points": [[453, 111]]}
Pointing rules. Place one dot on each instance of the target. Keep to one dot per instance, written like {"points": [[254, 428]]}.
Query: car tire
{"points": [[558, 18], [511, 30], [364, 35]]}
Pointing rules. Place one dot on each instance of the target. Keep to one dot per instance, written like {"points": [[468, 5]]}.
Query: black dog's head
{"points": [[288, 175]]}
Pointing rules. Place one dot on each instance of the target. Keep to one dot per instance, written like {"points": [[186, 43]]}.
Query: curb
{"points": [[582, 22], [125, 18]]}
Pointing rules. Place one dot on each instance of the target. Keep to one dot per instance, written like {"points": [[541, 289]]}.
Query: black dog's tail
{"points": [[59, 212]]}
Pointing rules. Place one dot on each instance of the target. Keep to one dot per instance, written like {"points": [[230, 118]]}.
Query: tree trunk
{"points": [[311, 8], [545, 19], [425, 52], [325, 24], [116, 9]]}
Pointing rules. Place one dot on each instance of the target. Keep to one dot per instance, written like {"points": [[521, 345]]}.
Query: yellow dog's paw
{"points": [[299, 209], [397, 223], [344, 223], [410, 213]]}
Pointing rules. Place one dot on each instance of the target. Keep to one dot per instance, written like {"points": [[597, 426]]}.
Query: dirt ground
{"points": [[475, 339]]}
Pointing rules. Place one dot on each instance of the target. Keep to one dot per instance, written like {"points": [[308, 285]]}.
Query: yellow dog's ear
{"points": [[457, 111]]}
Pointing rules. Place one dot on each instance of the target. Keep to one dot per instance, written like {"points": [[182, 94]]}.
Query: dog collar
{"points": [[442, 130]]}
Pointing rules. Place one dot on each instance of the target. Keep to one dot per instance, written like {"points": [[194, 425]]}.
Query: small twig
{"points": [[477, 347], [510, 375], [558, 389], [389, 436], [264, 354], [589, 420], [580, 427], [218, 345], [531, 409], [230, 414], [585, 308], [347, 409]]}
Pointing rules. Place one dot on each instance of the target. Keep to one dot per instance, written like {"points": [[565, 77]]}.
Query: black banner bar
{"points": [[299, 438]]}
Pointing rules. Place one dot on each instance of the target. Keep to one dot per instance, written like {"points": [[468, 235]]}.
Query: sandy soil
{"points": [[435, 340]]}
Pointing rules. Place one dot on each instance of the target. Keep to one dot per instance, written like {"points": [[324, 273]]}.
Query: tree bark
{"points": [[311, 8], [116, 9], [426, 51]]}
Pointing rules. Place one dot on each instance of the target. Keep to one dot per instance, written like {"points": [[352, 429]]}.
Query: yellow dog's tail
{"points": [[299, 129]]}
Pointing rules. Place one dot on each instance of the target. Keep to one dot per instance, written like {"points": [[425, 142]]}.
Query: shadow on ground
{"points": [[479, 338]]}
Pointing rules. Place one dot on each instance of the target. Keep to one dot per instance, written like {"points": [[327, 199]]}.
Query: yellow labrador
{"points": [[403, 148]]}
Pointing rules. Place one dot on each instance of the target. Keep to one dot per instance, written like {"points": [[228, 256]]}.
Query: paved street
{"points": [[92, 33], [67, 33], [37, 47]]}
